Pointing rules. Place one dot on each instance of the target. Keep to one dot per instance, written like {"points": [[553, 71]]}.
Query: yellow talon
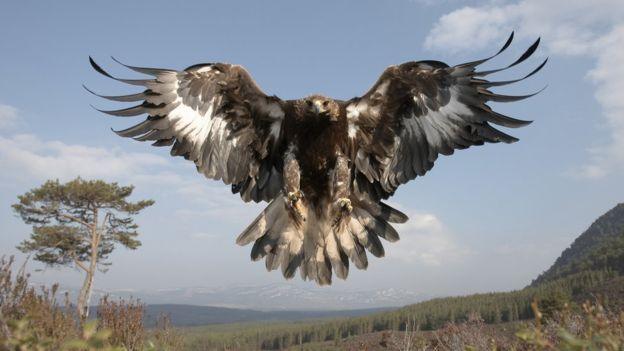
{"points": [[344, 204], [294, 196], [292, 202]]}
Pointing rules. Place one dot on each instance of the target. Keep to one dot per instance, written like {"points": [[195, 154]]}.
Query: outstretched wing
{"points": [[215, 115], [418, 110]]}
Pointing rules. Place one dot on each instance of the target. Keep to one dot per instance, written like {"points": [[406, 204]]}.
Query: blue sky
{"points": [[489, 218]]}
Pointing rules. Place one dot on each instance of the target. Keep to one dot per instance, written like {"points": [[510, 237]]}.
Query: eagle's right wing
{"points": [[419, 110], [214, 115]]}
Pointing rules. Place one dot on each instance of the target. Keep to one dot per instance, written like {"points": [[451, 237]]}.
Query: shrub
{"points": [[124, 319], [32, 316], [165, 337], [33, 319]]}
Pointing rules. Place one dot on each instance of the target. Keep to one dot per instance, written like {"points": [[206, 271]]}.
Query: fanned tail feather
{"points": [[317, 247]]}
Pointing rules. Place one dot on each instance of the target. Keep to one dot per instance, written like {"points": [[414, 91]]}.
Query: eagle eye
{"points": [[309, 102], [325, 103]]}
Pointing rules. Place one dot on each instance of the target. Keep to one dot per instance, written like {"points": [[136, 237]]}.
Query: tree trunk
{"points": [[84, 298]]}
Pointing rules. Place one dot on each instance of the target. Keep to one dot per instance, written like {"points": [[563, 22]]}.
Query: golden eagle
{"points": [[323, 165]]}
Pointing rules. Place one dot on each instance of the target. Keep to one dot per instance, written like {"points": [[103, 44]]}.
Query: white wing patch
{"points": [[354, 111], [214, 115], [352, 131], [353, 115]]}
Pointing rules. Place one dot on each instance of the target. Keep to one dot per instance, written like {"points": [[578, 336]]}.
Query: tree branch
{"points": [[74, 219], [106, 219], [77, 262], [80, 264]]}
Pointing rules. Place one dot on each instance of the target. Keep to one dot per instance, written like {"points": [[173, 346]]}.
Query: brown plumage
{"points": [[317, 133], [323, 165]]}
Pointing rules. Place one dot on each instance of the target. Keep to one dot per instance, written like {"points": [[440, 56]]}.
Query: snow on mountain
{"points": [[275, 297]]}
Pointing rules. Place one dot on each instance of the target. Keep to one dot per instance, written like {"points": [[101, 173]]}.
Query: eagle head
{"points": [[322, 107]]}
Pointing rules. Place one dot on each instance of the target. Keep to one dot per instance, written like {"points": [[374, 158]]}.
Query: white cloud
{"points": [[8, 116], [26, 156], [593, 29], [425, 239], [467, 28], [211, 199], [608, 75]]}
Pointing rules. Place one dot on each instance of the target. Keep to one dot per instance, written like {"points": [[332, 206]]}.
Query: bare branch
{"points": [[5, 332], [81, 265]]}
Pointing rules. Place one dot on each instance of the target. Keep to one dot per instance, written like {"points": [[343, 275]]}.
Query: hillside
{"points": [[600, 247], [190, 315], [429, 315], [590, 267]]}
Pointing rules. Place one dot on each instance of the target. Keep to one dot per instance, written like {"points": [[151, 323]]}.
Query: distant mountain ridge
{"points": [[195, 306], [274, 297], [193, 315], [600, 247]]}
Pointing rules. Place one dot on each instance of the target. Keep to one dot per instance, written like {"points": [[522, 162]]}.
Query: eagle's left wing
{"points": [[214, 115], [418, 110]]}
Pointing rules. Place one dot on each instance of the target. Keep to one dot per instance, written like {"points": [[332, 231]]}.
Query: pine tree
{"points": [[78, 224]]}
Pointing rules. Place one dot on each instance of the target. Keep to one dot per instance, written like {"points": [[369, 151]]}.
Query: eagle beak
{"points": [[318, 107]]}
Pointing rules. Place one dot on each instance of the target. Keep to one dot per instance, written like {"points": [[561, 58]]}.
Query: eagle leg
{"points": [[342, 207], [295, 206], [294, 195]]}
